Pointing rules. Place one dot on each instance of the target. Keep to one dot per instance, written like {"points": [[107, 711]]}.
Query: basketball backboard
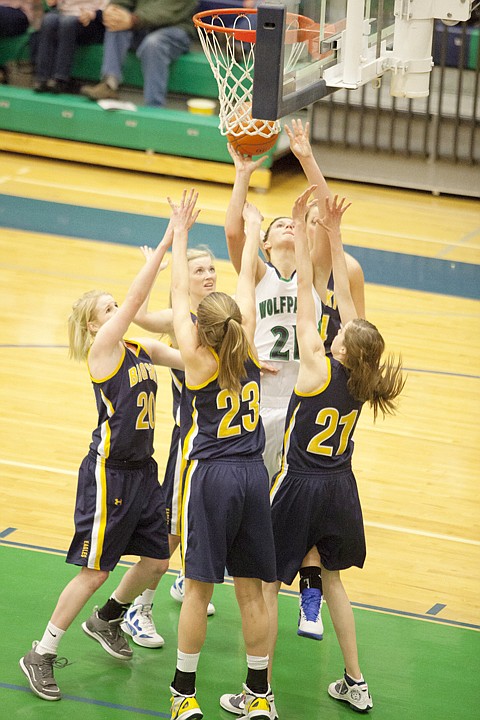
{"points": [[306, 49]]}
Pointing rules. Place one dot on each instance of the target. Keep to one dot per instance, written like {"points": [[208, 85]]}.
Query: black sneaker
{"points": [[40, 86], [58, 87], [39, 671]]}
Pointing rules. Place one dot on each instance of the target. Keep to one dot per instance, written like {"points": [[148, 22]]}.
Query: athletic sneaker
{"points": [[310, 619], [177, 591], [184, 707], [109, 634], [356, 694], [39, 671], [101, 91], [138, 623], [236, 703], [257, 707]]}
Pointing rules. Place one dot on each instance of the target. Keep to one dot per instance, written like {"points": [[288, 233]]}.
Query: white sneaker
{"points": [[310, 619], [356, 694], [177, 591], [236, 703], [138, 623]]}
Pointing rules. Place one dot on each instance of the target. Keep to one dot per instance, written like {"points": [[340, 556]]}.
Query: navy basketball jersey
{"points": [[216, 423], [319, 426], [178, 378], [126, 408], [330, 317]]}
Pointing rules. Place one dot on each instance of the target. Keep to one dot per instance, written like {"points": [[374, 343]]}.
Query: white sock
{"points": [[257, 662], [355, 680], [146, 598], [49, 643], [187, 662], [112, 82]]}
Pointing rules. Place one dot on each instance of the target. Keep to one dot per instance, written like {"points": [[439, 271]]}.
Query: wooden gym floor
{"points": [[68, 228]]}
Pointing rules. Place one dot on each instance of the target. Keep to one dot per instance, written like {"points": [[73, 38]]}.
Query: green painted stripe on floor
{"points": [[413, 669]]}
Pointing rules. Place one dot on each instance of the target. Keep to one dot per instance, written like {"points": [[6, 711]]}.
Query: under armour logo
{"points": [[118, 501]]}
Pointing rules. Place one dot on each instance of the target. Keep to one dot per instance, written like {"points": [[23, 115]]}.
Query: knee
{"points": [[66, 21], [156, 568], [94, 578], [50, 22], [152, 44]]}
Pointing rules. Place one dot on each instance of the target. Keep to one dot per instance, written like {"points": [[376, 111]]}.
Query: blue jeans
{"points": [[57, 41], [155, 49]]}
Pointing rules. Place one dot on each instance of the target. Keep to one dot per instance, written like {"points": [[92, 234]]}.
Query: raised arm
{"points": [[234, 222], [184, 215], [310, 344], [301, 148], [334, 210], [163, 354], [157, 321], [105, 351], [245, 293], [319, 245]]}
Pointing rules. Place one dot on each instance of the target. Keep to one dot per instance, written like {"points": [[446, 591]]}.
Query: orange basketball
{"points": [[244, 132], [246, 144]]}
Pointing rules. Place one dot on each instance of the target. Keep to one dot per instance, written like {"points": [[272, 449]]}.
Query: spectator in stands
{"points": [[158, 30], [68, 23], [15, 19]]}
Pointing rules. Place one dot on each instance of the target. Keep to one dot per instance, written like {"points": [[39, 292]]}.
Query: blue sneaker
{"points": [[177, 591], [138, 623], [310, 620]]}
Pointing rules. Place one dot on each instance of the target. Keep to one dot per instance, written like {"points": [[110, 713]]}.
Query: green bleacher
{"points": [[173, 132]]}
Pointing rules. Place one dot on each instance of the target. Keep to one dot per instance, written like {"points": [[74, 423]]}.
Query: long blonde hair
{"points": [[370, 380], [83, 312], [219, 326]]}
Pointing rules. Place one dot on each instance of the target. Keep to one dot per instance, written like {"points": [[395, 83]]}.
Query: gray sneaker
{"points": [[109, 635], [39, 671], [102, 91]]}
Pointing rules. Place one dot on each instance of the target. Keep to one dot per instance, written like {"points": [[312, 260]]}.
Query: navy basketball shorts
{"points": [[227, 520], [172, 490], [321, 509], [119, 511]]}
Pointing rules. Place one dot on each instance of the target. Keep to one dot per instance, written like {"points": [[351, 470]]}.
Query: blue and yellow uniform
{"points": [[171, 479], [120, 509], [315, 493], [226, 520], [171, 484], [330, 316]]}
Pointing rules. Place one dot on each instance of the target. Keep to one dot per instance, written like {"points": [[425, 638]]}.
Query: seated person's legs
{"points": [[156, 51], [115, 49]]}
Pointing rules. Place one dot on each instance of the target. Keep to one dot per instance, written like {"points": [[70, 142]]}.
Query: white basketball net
{"points": [[232, 64]]}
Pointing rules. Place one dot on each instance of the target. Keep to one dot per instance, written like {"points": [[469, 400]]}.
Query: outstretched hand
{"points": [[299, 140], [334, 210], [244, 163], [251, 213], [302, 204], [184, 214], [147, 253]]}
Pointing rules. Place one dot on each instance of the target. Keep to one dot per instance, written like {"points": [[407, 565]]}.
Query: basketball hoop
{"points": [[228, 40]]}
